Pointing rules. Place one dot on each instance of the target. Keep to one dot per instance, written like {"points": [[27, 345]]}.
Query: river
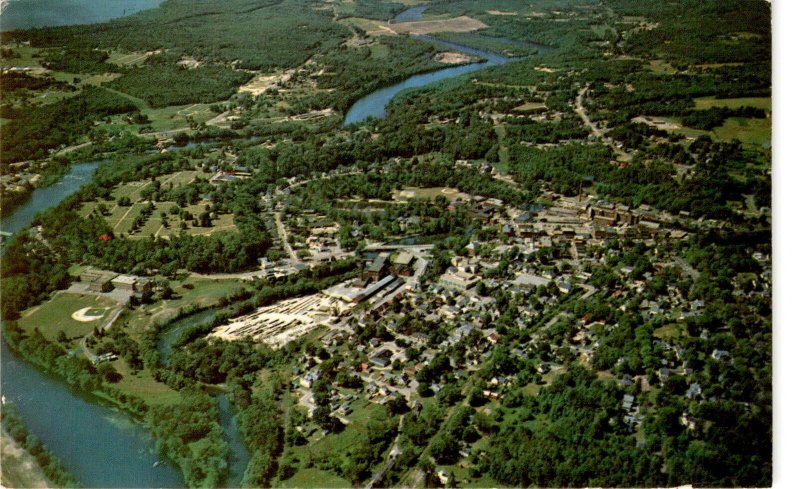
{"points": [[100, 446], [46, 197], [374, 104], [24, 14], [171, 332]]}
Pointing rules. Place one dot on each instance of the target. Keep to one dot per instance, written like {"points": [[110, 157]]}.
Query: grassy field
{"points": [[426, 193], [143, 385], [748, 131], [668, 331], [733, 103], [312, 477], [121, 58], [161, 119], [528, 106], [121, 218], [458, 24], [661, 67], [56, 315], [28, 56], [371, 27]]}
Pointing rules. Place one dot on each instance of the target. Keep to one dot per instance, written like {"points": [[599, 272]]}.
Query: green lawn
{"points": [[142, 385], [732, 103], [746, 130], [312, 477], [661, 67], [55, 315], [668, 331], [27, 57], [127, 59], [121, 218]]}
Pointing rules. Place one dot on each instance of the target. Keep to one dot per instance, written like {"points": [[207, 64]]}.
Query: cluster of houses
{"points": [[467, 313]]}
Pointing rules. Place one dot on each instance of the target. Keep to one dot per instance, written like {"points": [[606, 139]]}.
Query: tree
{"points": [[322, 416], [444, 448], [397, 405]]}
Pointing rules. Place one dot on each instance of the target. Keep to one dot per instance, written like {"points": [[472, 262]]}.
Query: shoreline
{"points": [[20, 467]]}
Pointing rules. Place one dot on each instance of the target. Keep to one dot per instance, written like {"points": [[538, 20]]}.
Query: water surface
{"points": [[414, 14], [24, 14], [46, 197], [239, 456], [374, 104], [100, 446], [171, 332]]}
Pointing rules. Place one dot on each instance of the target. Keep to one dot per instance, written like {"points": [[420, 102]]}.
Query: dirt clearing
{"points": [[453, 57], [459, 24]]}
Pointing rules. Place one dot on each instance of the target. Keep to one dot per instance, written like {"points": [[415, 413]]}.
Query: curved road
{"points": [[596, 131]]}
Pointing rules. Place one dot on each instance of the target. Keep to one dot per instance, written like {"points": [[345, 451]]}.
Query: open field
{"points": [[161, 119], [143, 385], [121, 219], [371, 27], [661, 67], [56, 315], [27, 56], [407, 193], [128, 59], [667, 331], [261, 83], [733, 103], [746, 130], [458, 24], [313, 477], [529, 106]]}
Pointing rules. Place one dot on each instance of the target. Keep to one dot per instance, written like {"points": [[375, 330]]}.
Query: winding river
{"points": [[46, 197], [374, 104]]}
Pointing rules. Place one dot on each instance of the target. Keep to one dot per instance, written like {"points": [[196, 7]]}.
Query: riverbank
{"points": [[100, 432], [26, 461], [20, 468]]}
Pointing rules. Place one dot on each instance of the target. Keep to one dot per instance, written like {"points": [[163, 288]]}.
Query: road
{"points": [[69, 149], [597, 132], [581, 111], [284, 239], [231, 276], [393, 454], [385, 247]]}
